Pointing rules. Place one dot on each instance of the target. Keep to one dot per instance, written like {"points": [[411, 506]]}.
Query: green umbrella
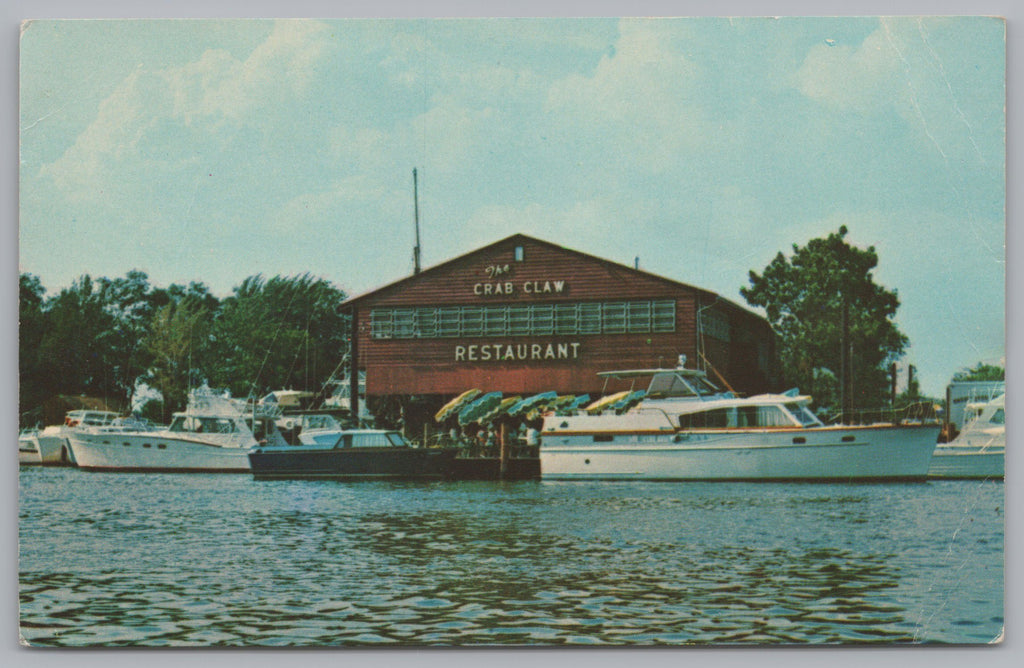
{"points": [[456, 404], [499, 410], [481, 406]]}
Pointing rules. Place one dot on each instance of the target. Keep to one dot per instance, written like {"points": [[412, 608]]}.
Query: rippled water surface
{"points": [[197, 560]]}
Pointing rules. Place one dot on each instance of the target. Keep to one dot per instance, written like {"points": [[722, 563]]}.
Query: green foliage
{"points": [[276, 334], [823, 302], [102, 338], [73, 357], [31, 326], [980, 372], [178, 342]]}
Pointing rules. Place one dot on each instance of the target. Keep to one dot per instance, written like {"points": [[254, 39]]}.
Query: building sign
{"points": [[526, 287], [517, 352]]}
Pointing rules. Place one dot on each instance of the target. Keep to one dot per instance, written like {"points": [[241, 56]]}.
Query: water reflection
{"points": [[314, 563]]}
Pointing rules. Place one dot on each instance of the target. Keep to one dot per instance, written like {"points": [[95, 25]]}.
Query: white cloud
{"points": [[163, 119], [862, 79], [643, 94]]}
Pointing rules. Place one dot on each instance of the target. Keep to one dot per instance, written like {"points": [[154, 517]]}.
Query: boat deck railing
{"points": [[917, 413]]}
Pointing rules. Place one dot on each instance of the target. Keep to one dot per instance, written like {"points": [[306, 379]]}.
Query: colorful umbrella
{"points": [[530, 403], [481, 406], [604, 402], [630, 400], [499, 410], [578, 403], [456, 404]]}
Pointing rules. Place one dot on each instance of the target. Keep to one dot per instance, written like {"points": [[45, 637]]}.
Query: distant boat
{"points": [[979, 451], [352, 454], [685, 428], [213, 434], [28, 446], [50, 444]]}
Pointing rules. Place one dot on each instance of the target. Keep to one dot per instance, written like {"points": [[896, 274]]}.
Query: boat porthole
{"points": [[162, 446], [106, 442], [147, 445], [126, 444], [586, 461]]}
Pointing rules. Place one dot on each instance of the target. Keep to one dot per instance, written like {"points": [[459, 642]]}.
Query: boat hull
{"points": [[28, 450], [154, 451], [826, 454], [961, 463], [54, 450], [352, 463]]}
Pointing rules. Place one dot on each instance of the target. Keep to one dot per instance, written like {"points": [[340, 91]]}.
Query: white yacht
{"points": [[49, 446], [979, 450], [28, 446], [685, 428], [213, 434]]}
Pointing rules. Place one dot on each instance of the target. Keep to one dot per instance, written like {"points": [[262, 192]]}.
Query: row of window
{"points": [[525, 319], [749, 416], [160, 446]]}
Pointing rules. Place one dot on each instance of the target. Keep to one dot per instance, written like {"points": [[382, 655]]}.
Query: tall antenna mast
{"points": [[416, 206]]}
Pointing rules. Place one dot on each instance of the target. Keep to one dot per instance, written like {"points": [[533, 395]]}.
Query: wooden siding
{"points": [[430, 366], [455, 284]]}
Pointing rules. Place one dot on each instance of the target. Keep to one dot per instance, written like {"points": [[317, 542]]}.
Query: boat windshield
{"points": [[669, 385], [202, 425], [374, 440], [310, 422], [802, 413]]}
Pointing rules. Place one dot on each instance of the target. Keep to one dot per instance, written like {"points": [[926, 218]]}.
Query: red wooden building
{"points": [[523, 316]]}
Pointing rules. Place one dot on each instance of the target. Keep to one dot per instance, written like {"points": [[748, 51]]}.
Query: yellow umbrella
{"points": [[499, 410], [453, 406], [604, 402]]}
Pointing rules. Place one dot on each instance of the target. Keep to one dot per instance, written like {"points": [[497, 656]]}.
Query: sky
{"points": [[211, 150]]}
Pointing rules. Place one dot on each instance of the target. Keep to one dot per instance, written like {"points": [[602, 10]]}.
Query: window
{"points": [[566, 321], [449, 321], [614, 317], [543, 319], [519, 320], [403, 321], [426, 322], [589, 318], [717, 418], [380, 324], [472, 321], [663, 318], [638, 317], [494, 320], [560, 318], [520, 254], [804, 415]]}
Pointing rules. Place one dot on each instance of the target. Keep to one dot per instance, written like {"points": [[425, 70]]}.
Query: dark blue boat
{"points": [[355, 454]]}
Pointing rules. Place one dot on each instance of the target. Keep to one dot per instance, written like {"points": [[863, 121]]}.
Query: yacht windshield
{"points": [[804, 415], [665, 385]]}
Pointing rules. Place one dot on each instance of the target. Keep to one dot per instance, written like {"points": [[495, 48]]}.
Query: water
{"points": [[200, 560]]}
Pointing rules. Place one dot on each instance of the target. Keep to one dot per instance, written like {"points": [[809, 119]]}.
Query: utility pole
{"points": [[416, 210]]}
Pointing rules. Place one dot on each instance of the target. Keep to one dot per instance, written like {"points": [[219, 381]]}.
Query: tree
{"points": [[835, 325], [73, 358], [178, 344], [128, 302], [980, 372], [31, 326], [277, 333]]}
